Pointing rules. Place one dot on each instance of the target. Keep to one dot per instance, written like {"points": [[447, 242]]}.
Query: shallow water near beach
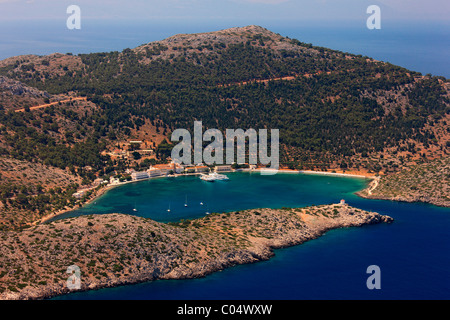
{"points": [[412, 252]]}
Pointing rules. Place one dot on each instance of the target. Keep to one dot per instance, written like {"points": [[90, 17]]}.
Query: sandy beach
{"points": [[356, 174], [359, 175]]}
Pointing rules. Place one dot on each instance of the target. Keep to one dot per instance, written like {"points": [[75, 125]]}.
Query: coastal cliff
{"points": [[117, 249]]}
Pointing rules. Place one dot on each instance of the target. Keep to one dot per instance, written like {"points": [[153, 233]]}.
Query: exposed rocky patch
{"points": [[209, 43], [47, 66], [15, 94]]}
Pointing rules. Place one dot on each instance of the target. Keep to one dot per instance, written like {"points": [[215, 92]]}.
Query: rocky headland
{"points": [[116, 249]]}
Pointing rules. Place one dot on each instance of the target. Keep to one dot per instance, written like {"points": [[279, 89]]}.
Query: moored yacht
{"points": [[213, 177]]}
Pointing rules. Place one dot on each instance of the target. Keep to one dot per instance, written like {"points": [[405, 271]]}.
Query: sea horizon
{"points": [[418, 47]]}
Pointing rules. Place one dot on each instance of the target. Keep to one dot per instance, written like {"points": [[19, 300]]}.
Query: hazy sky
{"points": [[231, 10]]}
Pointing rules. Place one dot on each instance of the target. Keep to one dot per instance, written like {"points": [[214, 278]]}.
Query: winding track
{"points": [[52, 104]]}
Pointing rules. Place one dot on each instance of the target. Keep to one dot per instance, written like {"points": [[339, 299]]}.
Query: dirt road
{"points": [[52, 104]]}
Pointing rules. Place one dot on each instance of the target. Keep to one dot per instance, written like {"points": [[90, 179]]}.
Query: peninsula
{"points": [[118, 249]]}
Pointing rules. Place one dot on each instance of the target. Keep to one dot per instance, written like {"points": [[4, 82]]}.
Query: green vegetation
{"points": [[426, 182], [332, 114], [334, 110]]}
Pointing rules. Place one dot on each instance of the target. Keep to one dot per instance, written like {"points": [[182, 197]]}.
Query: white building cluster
{"points": [[158, 170]]}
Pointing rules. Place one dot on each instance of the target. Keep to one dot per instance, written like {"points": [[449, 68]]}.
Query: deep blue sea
{"points": [[418, 46], [412, 253]]}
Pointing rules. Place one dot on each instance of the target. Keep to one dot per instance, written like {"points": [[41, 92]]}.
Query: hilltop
{"points": [[116, 249], [209, 43]]}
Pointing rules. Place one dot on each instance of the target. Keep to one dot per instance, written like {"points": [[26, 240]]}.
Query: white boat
{"points": [[185, 203], [213, 177], [207, 177]]}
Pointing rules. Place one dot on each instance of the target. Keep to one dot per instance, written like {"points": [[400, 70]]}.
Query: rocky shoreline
{"points": [[427, 182], [115, 249], [410, 199]]}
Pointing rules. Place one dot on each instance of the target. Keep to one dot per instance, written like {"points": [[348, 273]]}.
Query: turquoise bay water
{"points": [[244, 190], [412, 252]]}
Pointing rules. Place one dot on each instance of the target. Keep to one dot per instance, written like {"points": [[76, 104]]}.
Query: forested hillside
{"points": [[335, 110]]}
